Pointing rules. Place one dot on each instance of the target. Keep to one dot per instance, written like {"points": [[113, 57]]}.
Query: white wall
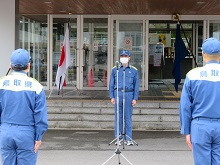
{"points": [[7, 34]]}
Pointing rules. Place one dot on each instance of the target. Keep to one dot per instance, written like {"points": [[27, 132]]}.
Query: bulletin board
{"points": [[155, 54]]}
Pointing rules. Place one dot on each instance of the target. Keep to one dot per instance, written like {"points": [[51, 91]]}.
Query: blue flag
{"points": [[180, 53]]}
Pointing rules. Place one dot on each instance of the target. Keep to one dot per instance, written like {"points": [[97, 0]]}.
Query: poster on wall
{"points": [[155, 54], [157, 59], [165, 39], [127, 43]]}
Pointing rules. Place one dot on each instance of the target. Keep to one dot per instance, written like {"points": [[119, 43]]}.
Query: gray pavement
{"points": [[91, 147]]}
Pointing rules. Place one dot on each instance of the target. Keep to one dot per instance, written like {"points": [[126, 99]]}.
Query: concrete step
{"points": [[96, 114]]}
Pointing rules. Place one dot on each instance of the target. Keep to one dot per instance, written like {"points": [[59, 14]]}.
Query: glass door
{"points": [[214, 29], [59, 28], [95, 53], [161, 61], [128, 35]]}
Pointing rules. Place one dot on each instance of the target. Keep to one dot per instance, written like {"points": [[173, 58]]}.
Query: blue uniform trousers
{"points": [[128, 108], [205, 137], [17, 144]]}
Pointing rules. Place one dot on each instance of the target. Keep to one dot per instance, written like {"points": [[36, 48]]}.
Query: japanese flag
{"points": [[64, 61]]}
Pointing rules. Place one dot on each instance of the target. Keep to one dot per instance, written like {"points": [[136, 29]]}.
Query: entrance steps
{"points": [[99, 114]]}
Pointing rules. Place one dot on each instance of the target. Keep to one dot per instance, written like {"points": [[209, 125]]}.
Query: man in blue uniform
{"points": [[200, 107], [23, 113], [129, 88]]}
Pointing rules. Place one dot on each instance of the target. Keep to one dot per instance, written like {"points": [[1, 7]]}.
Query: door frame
{"points": [[80, 62], [118, 18], [205, 18]]}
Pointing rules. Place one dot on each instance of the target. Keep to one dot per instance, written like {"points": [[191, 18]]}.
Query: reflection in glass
{"points": [[130, 37], [95, 44]]}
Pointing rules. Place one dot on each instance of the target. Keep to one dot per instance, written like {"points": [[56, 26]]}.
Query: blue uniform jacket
{"points": [[200, 95], [131, 80], [23, 102]]}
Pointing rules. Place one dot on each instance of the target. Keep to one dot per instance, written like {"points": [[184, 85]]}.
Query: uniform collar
{"points": [[126, 66], [212, 61], [19, 72]]}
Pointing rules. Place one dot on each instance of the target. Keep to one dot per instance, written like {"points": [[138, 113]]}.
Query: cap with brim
{"points": [[20, 58], [125, 52], [211, 46]]}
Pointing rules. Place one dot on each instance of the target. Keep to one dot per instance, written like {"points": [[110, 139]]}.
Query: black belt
{"points": [[126, 90], [208, 119]]}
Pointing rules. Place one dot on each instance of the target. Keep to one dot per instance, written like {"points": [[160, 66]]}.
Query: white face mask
{"points": [[124, 60]]}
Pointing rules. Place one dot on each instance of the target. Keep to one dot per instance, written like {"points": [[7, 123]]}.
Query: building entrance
{"points": [[95, 42], [161, 49]]}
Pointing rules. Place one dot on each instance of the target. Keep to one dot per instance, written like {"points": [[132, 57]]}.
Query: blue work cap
{"points": [[211, 46], [20, 58], [125, 52]]}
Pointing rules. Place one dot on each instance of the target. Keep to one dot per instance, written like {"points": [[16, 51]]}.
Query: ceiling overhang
{"points": [[117, 7]]}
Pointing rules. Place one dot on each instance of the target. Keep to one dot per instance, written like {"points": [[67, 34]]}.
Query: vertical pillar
{"points": [[8, 32]]}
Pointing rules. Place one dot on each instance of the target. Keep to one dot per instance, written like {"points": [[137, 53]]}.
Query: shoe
{"points": [[130, 143]]}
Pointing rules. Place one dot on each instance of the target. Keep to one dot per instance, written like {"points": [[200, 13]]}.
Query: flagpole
{"points": [[59, 85], [177, 16], [69, 22], [8, 71], [51, 90], [188, 45]]}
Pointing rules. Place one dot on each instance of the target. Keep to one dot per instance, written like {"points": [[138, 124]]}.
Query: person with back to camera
{"points": [[200, 107], [131, 94], [23, 113]]}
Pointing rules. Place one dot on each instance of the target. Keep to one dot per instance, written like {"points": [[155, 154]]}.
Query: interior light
{"points": [[47, 2], [200, 2]]}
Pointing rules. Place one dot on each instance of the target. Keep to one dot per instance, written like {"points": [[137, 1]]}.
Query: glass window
{"points": [[95, 44], [129, 36], [59, 28], [33, 37], [161, 63], [214, 30]]}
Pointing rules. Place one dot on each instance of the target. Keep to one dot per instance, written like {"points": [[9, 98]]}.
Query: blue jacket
{"points": [[200, 95], [23, 102], [131, 80]]}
